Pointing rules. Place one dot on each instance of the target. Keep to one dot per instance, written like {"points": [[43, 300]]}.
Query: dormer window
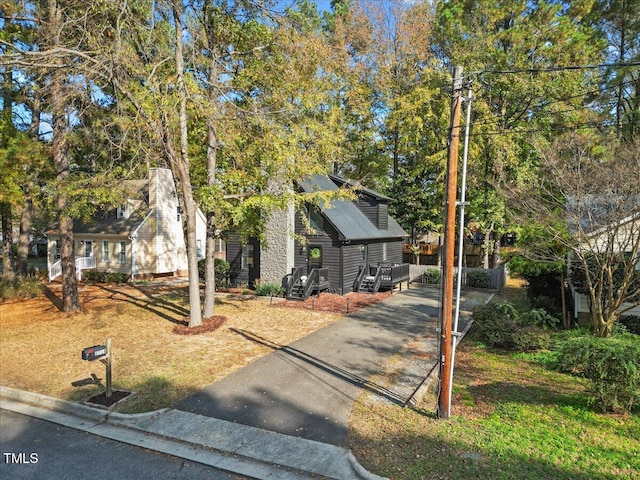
{"points": [[123, 210]]}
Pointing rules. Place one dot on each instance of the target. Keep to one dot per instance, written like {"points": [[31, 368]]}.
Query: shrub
{"points": [[113, 277], [93, 276], [500, 326], [631, 322], [432, 276], [222, 271], [478, 279], [103, 277], [539, 317], [22, 288], [269, 290], [612, 366]]}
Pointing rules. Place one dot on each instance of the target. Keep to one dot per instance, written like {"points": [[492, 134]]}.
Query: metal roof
{"points": [[346, 217]]}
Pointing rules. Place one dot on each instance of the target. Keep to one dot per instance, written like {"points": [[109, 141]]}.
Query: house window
{"points": [[57, 254], [123, 211], [384, 252], [363, 252], [88, 248], [105, 251], [123, 252], [316, 222], [247, 256], [200, 249]]}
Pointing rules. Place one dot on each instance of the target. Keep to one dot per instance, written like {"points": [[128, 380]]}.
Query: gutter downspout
{"points": [[133, 237]]}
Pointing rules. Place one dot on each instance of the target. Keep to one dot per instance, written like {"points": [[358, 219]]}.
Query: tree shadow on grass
{"points": [[158, 306], [52, 297]]}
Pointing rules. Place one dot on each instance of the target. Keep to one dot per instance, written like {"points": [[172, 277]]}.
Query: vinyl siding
{"points": [[328, 240], [351, 261]]}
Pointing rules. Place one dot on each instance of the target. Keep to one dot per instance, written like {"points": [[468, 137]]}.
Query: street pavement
{"points": [[39, 450]]}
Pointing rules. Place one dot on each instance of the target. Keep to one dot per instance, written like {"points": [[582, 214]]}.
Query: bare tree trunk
{"points": [[212, 153], [566, 324], [25, 231], [70, 298], [486, 245], [8, 271], [181, 166]]}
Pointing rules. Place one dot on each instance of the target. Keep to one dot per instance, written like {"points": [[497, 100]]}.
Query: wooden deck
{"points": [[382, 276]]}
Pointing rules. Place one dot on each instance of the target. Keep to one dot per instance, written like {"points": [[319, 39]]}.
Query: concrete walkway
{"points": [[307, 389]]}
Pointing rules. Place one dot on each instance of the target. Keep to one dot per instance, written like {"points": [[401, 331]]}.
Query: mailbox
{"points": [[92, 353]]}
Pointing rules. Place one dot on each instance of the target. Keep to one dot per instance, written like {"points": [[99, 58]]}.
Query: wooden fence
{"points": [[490, 278]]}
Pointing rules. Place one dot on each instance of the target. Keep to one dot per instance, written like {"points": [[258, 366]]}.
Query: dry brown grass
{"points": [[40, 346]]}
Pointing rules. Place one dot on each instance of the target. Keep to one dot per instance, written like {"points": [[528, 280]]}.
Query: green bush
{"points": [[103, 277], [612, 366], [539, 317], [113, 277], [22, 288], [500, 326], [222, 271], [632, 323], [269, 290], [478, 279], [432, 276], [93, 276]]}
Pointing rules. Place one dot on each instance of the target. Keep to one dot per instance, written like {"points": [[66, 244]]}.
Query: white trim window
{"points": [[105, 251], [123, 210], [122, 257]]}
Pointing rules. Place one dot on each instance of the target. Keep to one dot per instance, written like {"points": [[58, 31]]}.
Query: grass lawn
{"points": [[40, 347], [511, 419]]}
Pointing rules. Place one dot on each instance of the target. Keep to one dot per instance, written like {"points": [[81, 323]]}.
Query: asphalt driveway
{"points": [[307, 388]]}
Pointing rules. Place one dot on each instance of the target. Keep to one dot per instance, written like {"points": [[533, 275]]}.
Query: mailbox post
{"points": [[107, 362], [102, 353]]}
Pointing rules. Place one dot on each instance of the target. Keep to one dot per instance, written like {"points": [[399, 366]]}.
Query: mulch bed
{"points": [[325, 302], [332, 302], [208, 325], [103, 400]]}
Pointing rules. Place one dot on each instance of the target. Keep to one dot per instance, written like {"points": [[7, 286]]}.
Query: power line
{"points": [[555, 69], [561, 128], [541, 105]]}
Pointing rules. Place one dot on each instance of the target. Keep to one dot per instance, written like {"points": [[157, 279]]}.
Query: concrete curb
{"points": [[56, 404], [224, 445]]}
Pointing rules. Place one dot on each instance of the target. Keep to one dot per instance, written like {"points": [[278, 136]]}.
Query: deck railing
{"points": [[82, 263], [55, 270]]}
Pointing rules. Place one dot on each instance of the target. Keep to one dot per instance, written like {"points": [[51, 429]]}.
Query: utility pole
{"points": [[444, 395]]}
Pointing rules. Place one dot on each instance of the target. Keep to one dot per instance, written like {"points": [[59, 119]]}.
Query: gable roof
{"points": [[346, 217], [106, 222], [340, 181]]}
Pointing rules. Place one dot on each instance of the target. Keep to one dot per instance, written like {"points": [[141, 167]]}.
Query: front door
{"points": [[314, 257]]}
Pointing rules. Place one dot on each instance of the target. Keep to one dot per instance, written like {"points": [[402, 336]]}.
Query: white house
{"points": [[626, 240], [142, 237]]}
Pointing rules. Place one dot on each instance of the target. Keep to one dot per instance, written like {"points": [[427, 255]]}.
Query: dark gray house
{"points": [[348, 243]]}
